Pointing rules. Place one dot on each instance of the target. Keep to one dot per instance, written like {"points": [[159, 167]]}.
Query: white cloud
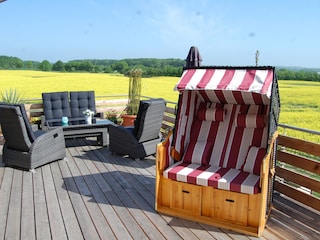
{"points": [[177, 23]]}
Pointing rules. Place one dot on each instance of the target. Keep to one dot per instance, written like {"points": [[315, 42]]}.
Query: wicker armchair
{"points": [[141, 140], [23, 147]]}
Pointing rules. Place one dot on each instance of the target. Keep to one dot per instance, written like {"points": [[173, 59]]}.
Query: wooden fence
{"points": [[298, 168]]}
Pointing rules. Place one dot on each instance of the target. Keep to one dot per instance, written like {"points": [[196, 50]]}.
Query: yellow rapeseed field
{"points": [[300, 107], [32, 83], [300, 104]]}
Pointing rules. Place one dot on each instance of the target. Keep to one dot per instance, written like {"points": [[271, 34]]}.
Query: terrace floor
{"points": [[96, 195]]}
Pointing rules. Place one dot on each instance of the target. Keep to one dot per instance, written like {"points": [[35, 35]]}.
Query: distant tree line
{"points": [[306, 75], [150, 67]]}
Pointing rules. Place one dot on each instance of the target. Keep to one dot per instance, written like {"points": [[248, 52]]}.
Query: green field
{"points": [[300, 103]]}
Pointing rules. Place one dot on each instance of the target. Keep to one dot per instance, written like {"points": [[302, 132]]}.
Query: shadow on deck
{"points": [[97, 195]]}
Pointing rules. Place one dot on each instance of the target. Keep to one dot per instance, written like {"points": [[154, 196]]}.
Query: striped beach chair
{"points": [[217, 165]]}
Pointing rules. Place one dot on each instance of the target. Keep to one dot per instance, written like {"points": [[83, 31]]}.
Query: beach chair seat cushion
{"points": [[217, 177]]}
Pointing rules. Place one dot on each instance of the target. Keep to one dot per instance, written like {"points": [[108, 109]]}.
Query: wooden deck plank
{"points": [[97, 195], [126, 218], [134, 211], [110, 217], [14, 211], [216, 232], [144, 179], [237, 235], [137, 170], [293, 228], [5, 199], [268, 234], [84, 183], [302, 221], [72, 227], [147, 207], [139, 183], [306, 214], [123, 212], [280, 229], [80, 209], [136, 196], [1, 168], [177, 226], [27, 209], [57, 226], [40, 207], [197, 229], [101, 197]]}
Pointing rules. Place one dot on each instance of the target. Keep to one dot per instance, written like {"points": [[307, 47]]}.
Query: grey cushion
{"points": [[80, 101], [29, 129], [55, 106], [149, 119], [17, 132]]}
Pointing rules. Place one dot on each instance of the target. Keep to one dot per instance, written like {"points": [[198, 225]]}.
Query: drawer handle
{"points": [[229, 200], [185, 191]]}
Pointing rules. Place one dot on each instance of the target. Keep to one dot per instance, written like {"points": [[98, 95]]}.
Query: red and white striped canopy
{"points": [[258, 80]]}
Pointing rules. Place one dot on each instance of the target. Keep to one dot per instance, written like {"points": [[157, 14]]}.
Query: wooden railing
{"points": [[106, 104], [298, 161], [298, 167]]}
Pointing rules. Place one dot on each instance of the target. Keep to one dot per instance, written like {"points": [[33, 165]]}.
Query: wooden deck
{"points": [[96, 195]]}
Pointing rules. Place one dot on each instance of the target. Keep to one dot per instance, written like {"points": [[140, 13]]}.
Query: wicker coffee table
{"points": [[98, 129]]}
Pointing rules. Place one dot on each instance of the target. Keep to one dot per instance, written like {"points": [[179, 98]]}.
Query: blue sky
{"points": [[286, 33]]}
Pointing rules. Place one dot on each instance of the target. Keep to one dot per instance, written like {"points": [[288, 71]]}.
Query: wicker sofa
{"points": [[216, 167], [64, 104]]}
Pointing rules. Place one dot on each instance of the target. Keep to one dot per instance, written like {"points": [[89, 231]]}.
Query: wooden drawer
{"points": [[225, 205], [186, 197]]}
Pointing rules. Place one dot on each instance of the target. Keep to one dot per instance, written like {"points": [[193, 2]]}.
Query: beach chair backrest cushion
{"points": [[253, 160], [204, 126], [221, 135]]}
